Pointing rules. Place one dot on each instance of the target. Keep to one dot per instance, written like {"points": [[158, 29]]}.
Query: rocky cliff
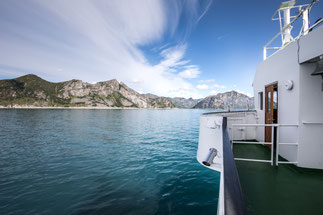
{"points": [[31, 90], [184, 103], [161, 102], [232, 100]]}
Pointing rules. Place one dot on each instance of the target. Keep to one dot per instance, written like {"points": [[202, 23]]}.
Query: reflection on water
{"points": [[103, 162]]}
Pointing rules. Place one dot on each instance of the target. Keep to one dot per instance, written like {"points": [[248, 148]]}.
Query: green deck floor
{"points": [[285, 189]]}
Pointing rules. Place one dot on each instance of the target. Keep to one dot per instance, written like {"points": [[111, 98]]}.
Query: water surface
{"points": [[103, 162]]}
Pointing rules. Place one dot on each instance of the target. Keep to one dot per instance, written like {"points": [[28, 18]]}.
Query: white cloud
{"points": [[173, 56], [207, 81], [202, 87], [205, 86], [248, 94], [136, 81], [100, 40], [186, 92], [213, 92], [220, 37], [218, 86], [190, 72]]}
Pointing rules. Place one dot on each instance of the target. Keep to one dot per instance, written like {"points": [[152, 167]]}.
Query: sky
{"points": [[172, 48]]}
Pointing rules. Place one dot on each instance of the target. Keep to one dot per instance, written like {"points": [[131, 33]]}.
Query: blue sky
{"points": [[169, 48]]}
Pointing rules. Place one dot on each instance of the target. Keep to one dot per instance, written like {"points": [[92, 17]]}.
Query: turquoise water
{"points": [[103, 162]]}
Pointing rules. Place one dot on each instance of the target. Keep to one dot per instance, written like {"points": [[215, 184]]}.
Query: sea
{"points": [[67, 161]]}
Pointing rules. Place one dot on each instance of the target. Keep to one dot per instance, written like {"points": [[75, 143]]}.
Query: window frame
{"points": [[261, 100]]}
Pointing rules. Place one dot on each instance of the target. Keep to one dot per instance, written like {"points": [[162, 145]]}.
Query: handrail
{"points": [[315, 24], [277, 150], [317, 123], [298, 6], [233, 200], [288, 26], [309, 29], [268, 143], [262, 125]]}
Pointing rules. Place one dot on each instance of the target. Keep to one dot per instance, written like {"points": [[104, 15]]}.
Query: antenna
{"points": [[287, 4], [285, 28]]}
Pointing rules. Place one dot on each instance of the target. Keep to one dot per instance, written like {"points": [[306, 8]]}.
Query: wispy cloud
{"points": [[218, 86], [173, 57], [191, 71], [207, 81], [248, 94], [220, 37], [208, 4], [202, 86], [212, 86], [213, 92], [99, 40]]}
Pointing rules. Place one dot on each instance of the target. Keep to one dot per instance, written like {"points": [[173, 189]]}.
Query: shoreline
{"points": [[86, 108]]}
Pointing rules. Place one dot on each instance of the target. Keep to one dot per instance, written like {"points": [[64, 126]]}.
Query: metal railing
{"points": [[303, 31], [311, 122], [246, 142], [233, 198], [278, 143]]}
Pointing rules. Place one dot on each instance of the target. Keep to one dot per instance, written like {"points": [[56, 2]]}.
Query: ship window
{"points": [[275, 101], [268, 101], [260, 100]]}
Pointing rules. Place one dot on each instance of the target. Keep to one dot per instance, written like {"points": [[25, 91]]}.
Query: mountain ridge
{"points": [[228, 100], [181, 102], [33, 91]]}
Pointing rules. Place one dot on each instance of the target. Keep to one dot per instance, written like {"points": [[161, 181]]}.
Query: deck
{"points": [[286, 189]]}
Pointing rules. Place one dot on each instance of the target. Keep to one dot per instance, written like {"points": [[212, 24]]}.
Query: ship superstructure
{"points": [[276, 149]]}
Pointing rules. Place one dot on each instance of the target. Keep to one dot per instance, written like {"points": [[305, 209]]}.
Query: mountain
{"points": [[183, 102], [31, 90], [222, 100], [158, 101]]}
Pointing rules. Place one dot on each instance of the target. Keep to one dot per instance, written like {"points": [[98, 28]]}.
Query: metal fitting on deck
{"points": [[209, 159]]}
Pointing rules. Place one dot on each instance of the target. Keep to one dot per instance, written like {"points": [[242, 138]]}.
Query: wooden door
{"points": [[269, 112]]}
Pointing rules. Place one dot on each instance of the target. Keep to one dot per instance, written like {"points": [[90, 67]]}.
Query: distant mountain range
{"points": [[33, 91], [229, 100], [181, 102]]}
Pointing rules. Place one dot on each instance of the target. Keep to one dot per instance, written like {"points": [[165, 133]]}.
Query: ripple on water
{"points": [[103, 162]]}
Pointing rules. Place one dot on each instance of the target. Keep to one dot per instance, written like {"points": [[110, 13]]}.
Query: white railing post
{"points": [[265, 53], [306, 24], [277, 145], [285, 31], [268, 143], [232, 139], [281, 27], [272, 144]]}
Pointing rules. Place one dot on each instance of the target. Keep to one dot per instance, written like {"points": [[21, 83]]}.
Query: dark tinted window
{"points": [[260, 100]]}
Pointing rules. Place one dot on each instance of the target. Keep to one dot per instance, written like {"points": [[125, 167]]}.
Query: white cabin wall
{"points": [[241, 133], [240, 117], [311, 103], [280, 67], [311, 110], [311, 45]]}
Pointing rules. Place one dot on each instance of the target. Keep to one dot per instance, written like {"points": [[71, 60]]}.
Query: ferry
{"points": [[270, 159]]}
